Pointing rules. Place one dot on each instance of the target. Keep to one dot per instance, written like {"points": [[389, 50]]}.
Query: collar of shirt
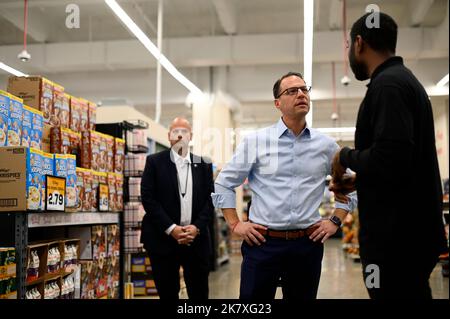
{"points": [[386, 64], [181, 160], [282, 129]]}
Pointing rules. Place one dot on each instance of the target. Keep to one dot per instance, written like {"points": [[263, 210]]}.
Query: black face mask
{"points": [[358, 68]]}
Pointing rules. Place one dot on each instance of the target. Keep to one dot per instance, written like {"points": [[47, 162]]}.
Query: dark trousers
{"points": [[166, 270], [297, 263], [406, 278]]}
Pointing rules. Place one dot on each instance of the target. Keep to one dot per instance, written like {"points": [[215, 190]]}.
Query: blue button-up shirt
{"points": [[286, 174]]}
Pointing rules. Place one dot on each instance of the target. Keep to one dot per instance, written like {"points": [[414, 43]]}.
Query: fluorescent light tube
{"points": [[443, 82], [150, 46], [11, 70]]}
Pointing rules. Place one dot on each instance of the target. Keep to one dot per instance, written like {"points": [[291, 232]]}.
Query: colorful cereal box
{"points": [[80, 188], [58, 95], [64, 115], [34, 179], [119, 192], [47, 99], [71, 181], [4, 116], [87, 202], [15, 121], [47, 169], [60, 165], [119, 155], [75, 114], [26, 126], [92, 115], [37, 122], [84, 110]]}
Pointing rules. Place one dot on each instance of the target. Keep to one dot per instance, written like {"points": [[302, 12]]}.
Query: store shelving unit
{"points": [[15, 230]]}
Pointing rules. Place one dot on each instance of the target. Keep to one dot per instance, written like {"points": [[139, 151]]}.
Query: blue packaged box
{"points": [[37, 122], [4, 116], [26, 126], [34, 179], [15, 121], [47, 169], [71, 181], [60, 165]]}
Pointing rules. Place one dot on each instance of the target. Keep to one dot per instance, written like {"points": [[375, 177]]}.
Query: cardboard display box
{"points": [[13, 178]]}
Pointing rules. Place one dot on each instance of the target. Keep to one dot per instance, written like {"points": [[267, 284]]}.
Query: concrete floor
{"points": [[341, 278]]}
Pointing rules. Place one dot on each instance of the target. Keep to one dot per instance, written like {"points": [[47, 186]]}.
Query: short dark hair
{"points": [[276, 86], [381, 39]]}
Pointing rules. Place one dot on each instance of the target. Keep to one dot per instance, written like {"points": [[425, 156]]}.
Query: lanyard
{"points": [[186, 181]]}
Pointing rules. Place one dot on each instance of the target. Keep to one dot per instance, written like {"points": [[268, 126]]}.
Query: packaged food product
{"points": [[98, 239], [37, 122], [80, 188], [60, 140], [102, 163], [87, 202], [26, 126], [119, 155], [34, 179], [87, 279], [47, 99], [53, 260], [92, 115], [90, 150], [119, 192], [75, 143], [100, 178], [71, 181], [112, 191], [84, 117], [15, 121], [64, 115], [110, 152], [75, 114], [47, 169], [4, 116], [58, 99], [33, 266], [60, 165], [113, 240]]}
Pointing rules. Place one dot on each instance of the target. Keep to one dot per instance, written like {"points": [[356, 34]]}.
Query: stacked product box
{"points": [[15, 121], [8, 273]]}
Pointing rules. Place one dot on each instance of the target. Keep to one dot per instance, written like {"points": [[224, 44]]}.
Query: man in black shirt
{"points": [[397, 175]]}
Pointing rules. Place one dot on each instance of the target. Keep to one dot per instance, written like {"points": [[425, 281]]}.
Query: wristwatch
{"points": [[336, 220]]}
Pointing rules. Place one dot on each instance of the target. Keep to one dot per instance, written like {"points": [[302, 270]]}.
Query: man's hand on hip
{"points": [[249, 232]]}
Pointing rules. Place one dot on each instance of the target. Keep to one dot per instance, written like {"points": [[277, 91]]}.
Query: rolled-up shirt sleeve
{"points": [[352, 203], [233, 175]]}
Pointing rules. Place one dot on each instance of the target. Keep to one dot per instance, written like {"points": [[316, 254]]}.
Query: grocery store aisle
{"points": [[341, 278]]}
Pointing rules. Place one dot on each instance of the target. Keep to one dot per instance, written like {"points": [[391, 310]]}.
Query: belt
{"points": [[288, 234]]}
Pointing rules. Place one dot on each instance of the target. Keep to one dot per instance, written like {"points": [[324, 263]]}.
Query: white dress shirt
{"points": [[184, 173]]}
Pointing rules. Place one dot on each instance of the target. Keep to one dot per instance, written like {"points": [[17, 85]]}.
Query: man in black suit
{"points": [[397, 174], [176, 194]]}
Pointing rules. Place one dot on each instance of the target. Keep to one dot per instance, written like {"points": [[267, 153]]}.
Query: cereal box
{"points": [[119, 192], [110, 153], [92, 115], [80, 188], [34, 179], [15, 121], [90, 150], [47, 100], [64, 115], [84, 110], [26, 126], [4, 116], [60, 165], [87, 202], [103, 160], [60, 140], [71, 181], [37, 122], [112, 191], [119, 155], [58, 96], [47, 169], [75, 142], [75, 114]]}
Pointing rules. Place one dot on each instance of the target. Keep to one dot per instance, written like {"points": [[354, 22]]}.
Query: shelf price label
{"points": [[55, 193], [103, 197]]}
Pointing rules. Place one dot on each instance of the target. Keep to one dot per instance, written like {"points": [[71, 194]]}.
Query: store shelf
{"points": [[67, 219], [49, 277]]}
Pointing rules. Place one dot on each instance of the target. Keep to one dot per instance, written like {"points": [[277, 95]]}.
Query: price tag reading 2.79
{"points": [[55, 193]]}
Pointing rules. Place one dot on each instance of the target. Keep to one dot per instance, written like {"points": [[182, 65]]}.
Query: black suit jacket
{"points": [[161, 201], [398, 181]]}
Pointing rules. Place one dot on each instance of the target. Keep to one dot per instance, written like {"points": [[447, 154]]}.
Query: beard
{"points": [[359, 69]]}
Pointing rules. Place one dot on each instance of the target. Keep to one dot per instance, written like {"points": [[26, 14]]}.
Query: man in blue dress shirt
{"points": [[286, 166]]}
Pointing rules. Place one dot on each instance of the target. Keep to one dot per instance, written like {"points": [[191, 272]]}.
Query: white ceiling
{"points": [[237, 46]]}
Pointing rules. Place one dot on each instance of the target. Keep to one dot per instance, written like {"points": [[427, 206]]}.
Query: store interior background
{"points": [[233, 51]]}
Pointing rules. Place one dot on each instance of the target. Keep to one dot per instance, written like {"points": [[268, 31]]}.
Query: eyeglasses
{"points": [[294, 90]]}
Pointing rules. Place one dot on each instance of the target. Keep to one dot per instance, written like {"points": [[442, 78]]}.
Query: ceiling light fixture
{"points": [[308, 30], [11, 70], [151, 47], [443, 82]]}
